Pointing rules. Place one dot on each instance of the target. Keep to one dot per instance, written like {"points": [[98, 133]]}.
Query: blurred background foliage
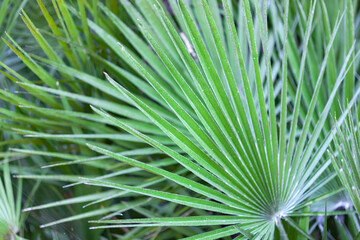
{"points": [[52, 58]]}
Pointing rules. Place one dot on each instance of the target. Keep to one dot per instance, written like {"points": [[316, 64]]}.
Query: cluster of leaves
{"points": [[212, 119], [347, 161]]}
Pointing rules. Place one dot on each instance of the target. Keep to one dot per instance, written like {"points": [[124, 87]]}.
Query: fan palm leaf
{"points": [[234, 109]]}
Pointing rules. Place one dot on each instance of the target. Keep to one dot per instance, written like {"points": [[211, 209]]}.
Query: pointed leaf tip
{"points": [[27, 209]]}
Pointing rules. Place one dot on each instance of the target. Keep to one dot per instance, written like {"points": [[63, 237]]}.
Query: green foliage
{"points": [[180, 119], [346, 159], [9, 208]]}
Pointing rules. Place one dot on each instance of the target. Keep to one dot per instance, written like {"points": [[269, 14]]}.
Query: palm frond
{"points": [[211, 122]]}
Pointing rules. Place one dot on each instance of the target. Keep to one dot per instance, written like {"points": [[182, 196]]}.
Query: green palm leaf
{"points": [[218, 112]]}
